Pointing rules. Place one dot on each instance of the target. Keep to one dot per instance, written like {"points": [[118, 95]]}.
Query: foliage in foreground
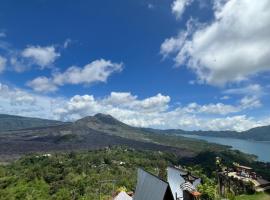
{"points": [[96, 174], [257, 196], [85, 175]]}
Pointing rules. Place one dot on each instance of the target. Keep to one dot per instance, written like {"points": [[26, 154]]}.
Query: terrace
{"points": [[247, 175]]}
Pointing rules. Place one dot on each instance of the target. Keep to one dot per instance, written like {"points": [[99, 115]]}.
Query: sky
{"points": [[187, 64]]}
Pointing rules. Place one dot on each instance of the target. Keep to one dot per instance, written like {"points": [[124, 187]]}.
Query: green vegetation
{"points": [[98, 173], [80, 175], [257, 196]]}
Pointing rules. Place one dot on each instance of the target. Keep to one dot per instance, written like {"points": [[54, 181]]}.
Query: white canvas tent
{"points": [[122, 196]]}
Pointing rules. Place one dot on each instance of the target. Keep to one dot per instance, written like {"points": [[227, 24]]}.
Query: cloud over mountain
{"points": [[154, 111]]}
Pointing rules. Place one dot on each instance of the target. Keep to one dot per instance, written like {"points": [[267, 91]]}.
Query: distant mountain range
{"points": [[110, 125], [20, 135], [95, 132], [259, 133]]}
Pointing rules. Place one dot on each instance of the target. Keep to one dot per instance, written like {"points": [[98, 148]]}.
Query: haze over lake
{"points": [[260, 149]]}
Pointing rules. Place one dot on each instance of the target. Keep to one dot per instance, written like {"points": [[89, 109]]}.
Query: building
{"points": [[240, 179], [181, 185], [151, 187], [122, 196]]}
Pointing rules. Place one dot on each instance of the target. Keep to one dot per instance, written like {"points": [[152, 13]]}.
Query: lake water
{"points": [[260, 149]]}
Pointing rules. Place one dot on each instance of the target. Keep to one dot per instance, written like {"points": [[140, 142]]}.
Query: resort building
{"points": [[240, 179], [151, 187], [183, 184], [180, 185]]}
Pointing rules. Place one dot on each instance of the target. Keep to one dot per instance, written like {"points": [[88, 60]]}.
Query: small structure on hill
{"points": [[244, 171], [181, 185], [240, 179], [122, 196], [151, 187]]}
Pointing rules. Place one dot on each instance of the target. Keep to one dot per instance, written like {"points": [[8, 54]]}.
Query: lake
{"points": [[260, 149]]}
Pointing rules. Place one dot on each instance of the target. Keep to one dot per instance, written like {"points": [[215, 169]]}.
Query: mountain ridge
{"points": [[107, 123], [16, 122]]}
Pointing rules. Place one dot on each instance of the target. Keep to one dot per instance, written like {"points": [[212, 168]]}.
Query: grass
{"points": [[257, 196]]}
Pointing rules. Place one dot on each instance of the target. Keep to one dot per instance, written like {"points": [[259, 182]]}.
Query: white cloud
{"points": [[218, 108], [15, 96], [117, 103], [128, 101], [42, 56], [123, 98], [154, 111], [42, 84], [238, 123], [96, 71], [22, 60], [19, 65], [249, 102], [179, 6], [3, 62], [225, 97], [150, 6], [173, 44], [2, 34], [231, 48], [19, 102], [251, 90], [67, 43]]}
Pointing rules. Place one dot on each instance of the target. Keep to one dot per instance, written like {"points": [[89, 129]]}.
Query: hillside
{"points": [[110, 125], [258, 133], [55, 176], [87, 150], [95, 132], [13, 122]]}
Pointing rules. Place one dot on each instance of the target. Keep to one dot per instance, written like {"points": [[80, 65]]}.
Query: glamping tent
{"points": [[122, 196], [150, 187]]}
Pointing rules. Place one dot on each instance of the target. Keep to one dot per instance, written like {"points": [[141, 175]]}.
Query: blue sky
{"points": [[191, 64]]}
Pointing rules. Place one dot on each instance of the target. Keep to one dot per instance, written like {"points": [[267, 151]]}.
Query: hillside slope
{"points": [[96, 132], [108, 124], [13, 122], [258, 133]]}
